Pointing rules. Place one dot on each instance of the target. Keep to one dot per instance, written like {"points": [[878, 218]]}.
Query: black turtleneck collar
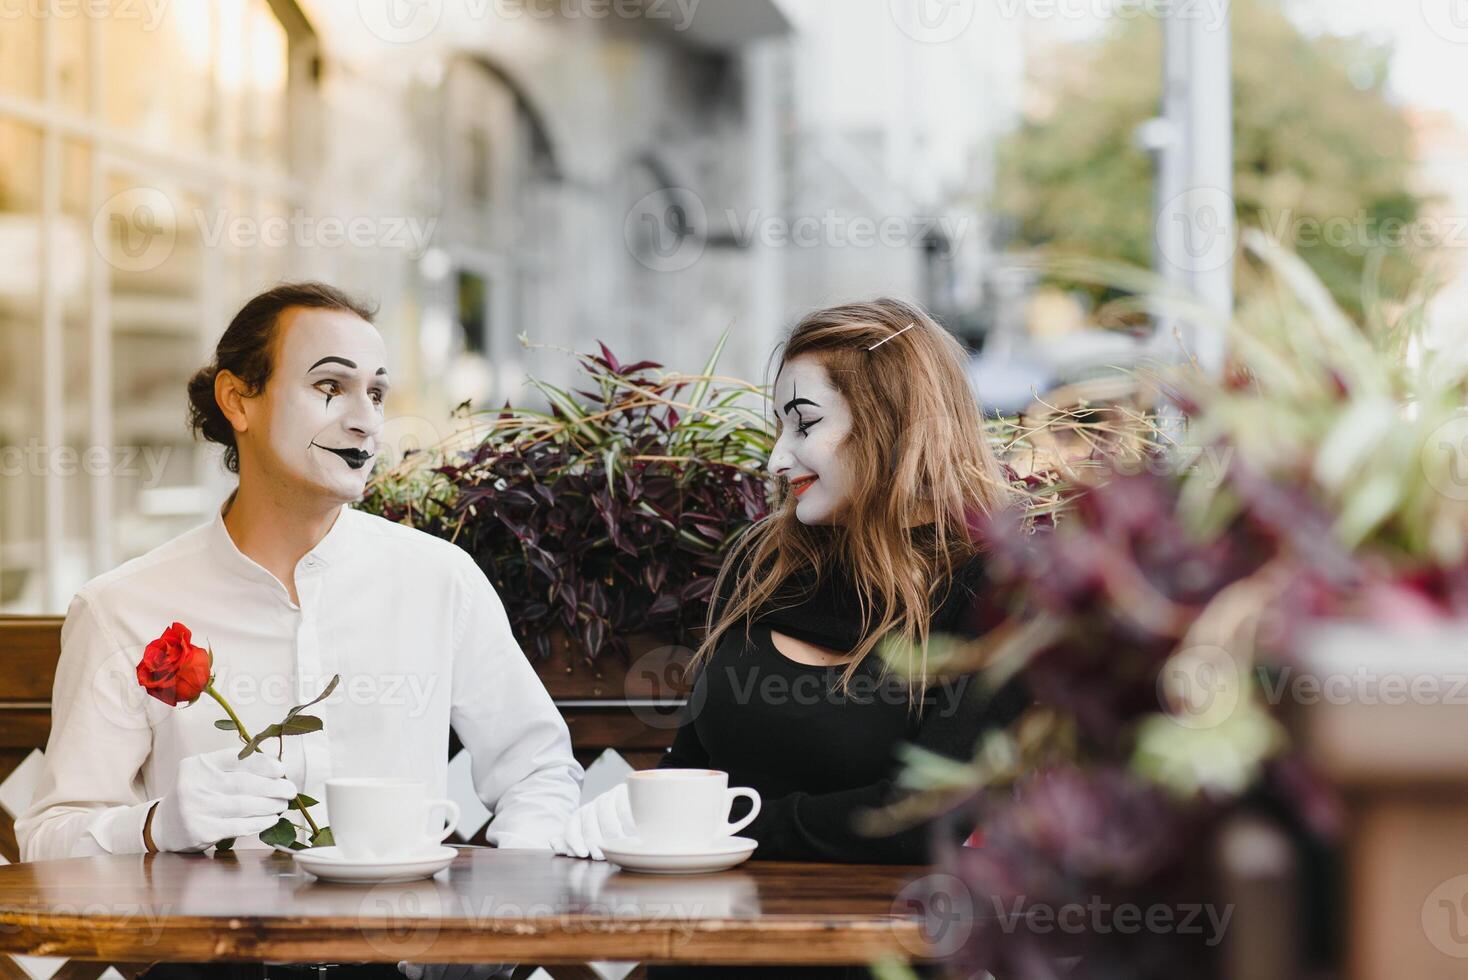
{"points": [[825, 609]]}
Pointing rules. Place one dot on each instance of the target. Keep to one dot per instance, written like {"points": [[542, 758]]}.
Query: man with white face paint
{"points": [[290, 585]]}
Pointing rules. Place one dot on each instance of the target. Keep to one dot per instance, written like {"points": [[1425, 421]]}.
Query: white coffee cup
{"points": [[686, 809], [381, 818]]}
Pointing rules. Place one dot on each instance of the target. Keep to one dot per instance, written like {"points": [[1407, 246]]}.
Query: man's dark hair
{"points": [[246, 350]]}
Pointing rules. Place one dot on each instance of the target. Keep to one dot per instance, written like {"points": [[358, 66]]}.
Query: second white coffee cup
{"points": [[686, 809], [381, 818]]}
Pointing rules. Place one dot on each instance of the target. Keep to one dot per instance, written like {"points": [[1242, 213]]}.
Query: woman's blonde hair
{"points": [[918, 453]]}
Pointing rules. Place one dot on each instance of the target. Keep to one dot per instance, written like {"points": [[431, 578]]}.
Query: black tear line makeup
{"points": [[346, 362], [802, 426]]}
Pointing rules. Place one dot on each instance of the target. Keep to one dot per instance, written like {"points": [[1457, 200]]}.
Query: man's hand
{"points": [[605, 818], [218, 795]]}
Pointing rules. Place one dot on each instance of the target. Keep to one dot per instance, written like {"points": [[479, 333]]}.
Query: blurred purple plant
{"points": [[1066, 855], [1119, 582]]}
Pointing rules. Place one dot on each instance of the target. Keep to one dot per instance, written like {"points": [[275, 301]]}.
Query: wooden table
{"points": [[488, 906]]}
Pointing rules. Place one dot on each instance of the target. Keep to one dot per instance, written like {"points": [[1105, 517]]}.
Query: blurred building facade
{"points": [[897, 109], [636, 173]]}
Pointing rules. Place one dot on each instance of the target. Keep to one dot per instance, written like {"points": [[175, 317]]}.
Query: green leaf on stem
{"points": [[294, 722], [225, 845], [283, 833], [302, 801], [225, 725], [253, 745], [335, 680], [301, 725], [323, 838]]}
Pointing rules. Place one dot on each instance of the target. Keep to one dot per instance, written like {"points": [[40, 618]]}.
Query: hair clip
{"points": [[897, 334]]}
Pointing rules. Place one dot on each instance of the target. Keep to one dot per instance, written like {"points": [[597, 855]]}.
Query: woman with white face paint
{"points": [[882, 470]]}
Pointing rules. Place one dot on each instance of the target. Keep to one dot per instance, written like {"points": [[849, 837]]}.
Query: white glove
{"points": [[605, 818], [218, 795], [454, 971]]}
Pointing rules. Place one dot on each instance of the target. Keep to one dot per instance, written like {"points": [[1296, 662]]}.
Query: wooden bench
{"points": [[29, 647]]}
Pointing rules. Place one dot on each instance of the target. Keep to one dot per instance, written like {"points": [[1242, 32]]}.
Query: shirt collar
{"points": [[336, 546], [332, 548]]}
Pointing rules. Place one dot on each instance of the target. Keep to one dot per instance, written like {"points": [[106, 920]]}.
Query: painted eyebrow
{"points": [[332, 359], [792, 403]]}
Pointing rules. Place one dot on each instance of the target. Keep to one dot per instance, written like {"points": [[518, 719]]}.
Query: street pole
{"points": [[1195, 226]]}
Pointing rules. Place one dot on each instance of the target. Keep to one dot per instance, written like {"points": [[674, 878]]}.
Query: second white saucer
{"points": [[636, 855]]}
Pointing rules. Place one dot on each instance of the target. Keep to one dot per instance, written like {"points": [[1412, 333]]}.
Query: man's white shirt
{"points": [[416, 631]]}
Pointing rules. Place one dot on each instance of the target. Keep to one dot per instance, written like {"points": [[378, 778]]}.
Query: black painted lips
{"points": [[355, 458]]}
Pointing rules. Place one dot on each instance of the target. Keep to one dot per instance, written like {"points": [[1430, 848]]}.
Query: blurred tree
{"points": [[1321, 157]]}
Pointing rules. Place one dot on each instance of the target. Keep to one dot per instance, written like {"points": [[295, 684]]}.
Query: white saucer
{"points": [[328, 864], [634, 855]]}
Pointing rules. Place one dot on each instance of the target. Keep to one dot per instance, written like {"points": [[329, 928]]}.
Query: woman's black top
{"points": [[817, 755]]}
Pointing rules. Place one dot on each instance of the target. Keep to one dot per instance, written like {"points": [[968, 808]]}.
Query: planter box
{"points": [[628, 705], [1386, 719], [654, 670]]}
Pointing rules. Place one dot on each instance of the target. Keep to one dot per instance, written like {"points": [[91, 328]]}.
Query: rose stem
{"points": [[239, 727]]}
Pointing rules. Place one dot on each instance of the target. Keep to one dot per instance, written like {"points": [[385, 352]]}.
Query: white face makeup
{"points": [[815, 419], [323, 403]]}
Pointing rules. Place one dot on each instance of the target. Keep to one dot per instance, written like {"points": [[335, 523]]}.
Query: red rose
{"points": [[173, 669]]}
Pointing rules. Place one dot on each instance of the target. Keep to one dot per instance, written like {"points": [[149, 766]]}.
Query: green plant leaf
{"points": [[323, 838], [225, 845], [302, 800], [225, 725], [253, 745], [700, 390], [301, 725], [560, 399], [282, 833], [335, 680]]}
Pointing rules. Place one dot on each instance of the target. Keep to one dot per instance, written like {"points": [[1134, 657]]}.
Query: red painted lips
{"points": [[801, 484]]}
